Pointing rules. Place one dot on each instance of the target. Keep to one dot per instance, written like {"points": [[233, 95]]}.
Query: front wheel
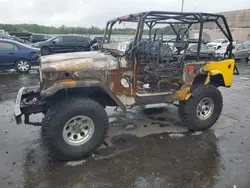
{"points": [[22, 66], [80, 49], [203, 109], [74, 128]]}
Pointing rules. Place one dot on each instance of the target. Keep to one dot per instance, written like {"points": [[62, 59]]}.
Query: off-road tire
{"points": [[57, 116], [189, 108], [45, 50]]}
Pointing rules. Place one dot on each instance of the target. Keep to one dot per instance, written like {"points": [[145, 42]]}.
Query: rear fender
{"points": [[224, 68]]}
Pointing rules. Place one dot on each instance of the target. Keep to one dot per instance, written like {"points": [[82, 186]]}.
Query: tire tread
{"points": [[53, 114], [199, 91]]}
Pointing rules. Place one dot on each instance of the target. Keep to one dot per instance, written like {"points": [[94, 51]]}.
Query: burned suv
{"points": [[75, 88]]}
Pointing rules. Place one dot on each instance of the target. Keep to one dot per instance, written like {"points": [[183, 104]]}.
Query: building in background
{"points": [[238, 21]]}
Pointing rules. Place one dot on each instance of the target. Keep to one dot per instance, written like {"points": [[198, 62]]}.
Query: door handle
{"points": [[11, 53]]}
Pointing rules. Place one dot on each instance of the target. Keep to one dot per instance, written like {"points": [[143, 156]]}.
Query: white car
{"points": [[240, 51], [218, 43]]}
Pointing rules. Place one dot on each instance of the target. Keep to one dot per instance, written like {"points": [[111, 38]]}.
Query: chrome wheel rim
{"points": [[23, 66], [78, 130], [205, 108]]}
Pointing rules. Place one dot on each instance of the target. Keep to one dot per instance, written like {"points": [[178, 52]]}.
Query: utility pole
{"points": [[182, 5]]}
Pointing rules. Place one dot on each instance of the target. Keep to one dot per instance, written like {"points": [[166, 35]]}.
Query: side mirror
{"points": [[53, 42]]}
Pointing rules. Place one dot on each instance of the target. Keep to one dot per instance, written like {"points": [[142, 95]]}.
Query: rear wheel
{"points": [[74, 128], [22, 65], [45, 50], [80, 49], [203, 109]]}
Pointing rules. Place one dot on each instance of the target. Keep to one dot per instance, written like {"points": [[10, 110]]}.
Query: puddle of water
{"points": [[75, 163], [176, 135], [244, 78]]}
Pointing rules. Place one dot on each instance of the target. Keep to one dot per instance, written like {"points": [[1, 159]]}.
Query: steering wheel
{"points": [[182, 34], [159, 34]]}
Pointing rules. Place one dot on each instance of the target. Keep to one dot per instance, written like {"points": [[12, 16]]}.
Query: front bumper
{"points": [[28, 101]]}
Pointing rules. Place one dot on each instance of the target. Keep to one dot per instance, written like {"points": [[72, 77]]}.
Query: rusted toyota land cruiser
{"points": [[75, 88]]}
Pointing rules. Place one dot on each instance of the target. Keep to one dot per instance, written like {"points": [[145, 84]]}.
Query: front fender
{"points": [[70, 83]]}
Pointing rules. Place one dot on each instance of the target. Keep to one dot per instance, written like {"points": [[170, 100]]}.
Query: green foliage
{"points": [[43, 29], [34, 28]]}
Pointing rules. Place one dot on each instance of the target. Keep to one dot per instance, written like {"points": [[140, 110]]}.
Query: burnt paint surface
{"points": [[84, 66], [107, 69], [114, 82], [81, 61]]}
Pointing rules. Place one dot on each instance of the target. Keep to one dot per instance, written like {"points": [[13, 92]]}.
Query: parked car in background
{"points": [[95, 43], [240, 51], [205, 52], [97, 40], [2, 31], [64, 44], [24, 35], [38, 38], [247, 43], [15, 38], [197, 40], [6, 36], [17, 55], [218, 43]]}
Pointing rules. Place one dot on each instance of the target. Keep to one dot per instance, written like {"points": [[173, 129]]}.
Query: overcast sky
{"points": [[96, 12]]}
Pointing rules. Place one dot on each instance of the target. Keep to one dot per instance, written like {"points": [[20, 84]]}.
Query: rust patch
{"points": [[66, 80], [114, 82], [181, 94], [188, 77]]}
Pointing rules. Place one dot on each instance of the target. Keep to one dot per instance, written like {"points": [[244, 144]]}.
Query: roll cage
{"points": [[153, 18]]}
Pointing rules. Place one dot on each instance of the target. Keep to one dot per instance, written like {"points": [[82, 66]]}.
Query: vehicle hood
{"points": [[78, 61]]}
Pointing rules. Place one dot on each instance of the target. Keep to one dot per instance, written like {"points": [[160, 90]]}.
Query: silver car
{"points": [[240, 51], [205, 52]]}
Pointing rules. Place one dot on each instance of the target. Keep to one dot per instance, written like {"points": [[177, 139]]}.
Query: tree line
{"points": [[34, 28]]}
